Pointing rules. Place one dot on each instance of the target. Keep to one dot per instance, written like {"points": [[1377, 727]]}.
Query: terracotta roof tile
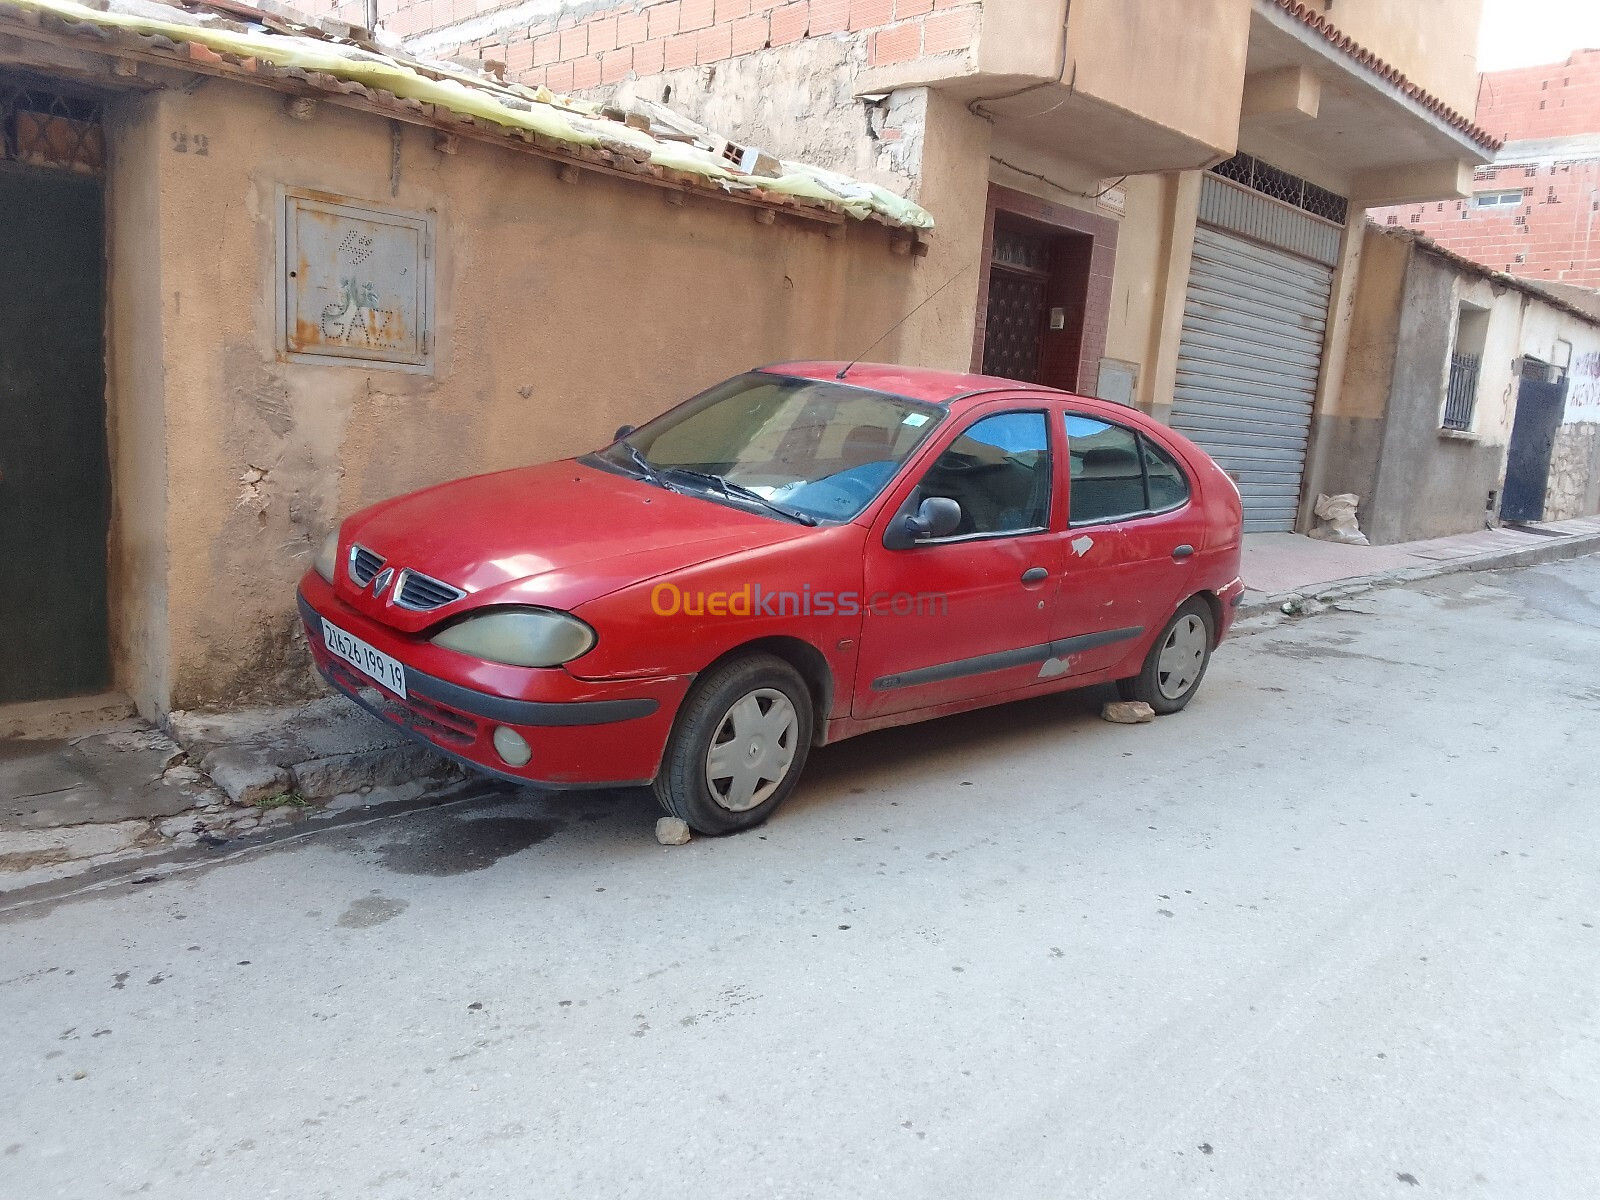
{"points": [[1390, 74]]}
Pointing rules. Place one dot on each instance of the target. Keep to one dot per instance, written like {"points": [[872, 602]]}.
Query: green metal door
{"points": [[53, 467]]}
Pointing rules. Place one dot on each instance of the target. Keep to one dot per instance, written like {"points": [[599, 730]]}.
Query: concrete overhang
{"points": [[1312, 108], [1110, 87], [1544, 152], [1103, 138]]}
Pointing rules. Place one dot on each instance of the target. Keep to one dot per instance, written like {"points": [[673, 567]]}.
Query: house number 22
{"points": [[184, 142]]}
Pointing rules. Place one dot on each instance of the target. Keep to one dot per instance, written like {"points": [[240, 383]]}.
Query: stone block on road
{"points": [[1128, 712]]}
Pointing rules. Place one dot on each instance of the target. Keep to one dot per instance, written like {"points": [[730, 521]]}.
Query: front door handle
{"points": [[1183, 551], [1035, 575]]}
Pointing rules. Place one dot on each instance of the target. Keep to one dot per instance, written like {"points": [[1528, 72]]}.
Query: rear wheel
{"points": [[1177, 660], [738, 746]]}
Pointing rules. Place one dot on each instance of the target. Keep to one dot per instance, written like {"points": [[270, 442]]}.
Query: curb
{"points": [[1257, 604], [153, 863]]}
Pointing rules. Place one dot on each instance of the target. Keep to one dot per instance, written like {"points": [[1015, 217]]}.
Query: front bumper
{"points": [[582, 733]]}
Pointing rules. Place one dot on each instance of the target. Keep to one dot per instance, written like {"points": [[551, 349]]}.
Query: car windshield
{"points": [[808, 449]]}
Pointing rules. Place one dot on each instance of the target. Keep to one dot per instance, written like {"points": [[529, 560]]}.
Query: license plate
{"points": [[373, 663]]}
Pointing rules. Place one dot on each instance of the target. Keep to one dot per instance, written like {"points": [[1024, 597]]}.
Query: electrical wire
{"points": [[1060, 187], [1061, 70]]}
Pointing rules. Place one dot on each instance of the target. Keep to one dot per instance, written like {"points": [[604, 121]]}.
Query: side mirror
{"points": [[622, 432], [936, 517]]}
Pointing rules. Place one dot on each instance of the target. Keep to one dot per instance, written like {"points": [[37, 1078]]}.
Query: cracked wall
{"points": [[798, 102], [562, 310]]}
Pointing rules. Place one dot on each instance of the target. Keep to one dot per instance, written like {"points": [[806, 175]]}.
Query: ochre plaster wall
{"points": [[1434, 43], [562, 310]]}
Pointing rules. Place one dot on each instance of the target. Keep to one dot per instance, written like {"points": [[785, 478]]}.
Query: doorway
{"points": [[1540, 405], [1016, 321], [1044, 292], [54, 474]]}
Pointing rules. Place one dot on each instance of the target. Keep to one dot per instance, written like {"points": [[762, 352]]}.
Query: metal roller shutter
{"points": [[1248, 361]]}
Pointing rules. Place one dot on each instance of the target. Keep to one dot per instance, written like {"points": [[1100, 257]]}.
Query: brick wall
{"points": [[1553, 100], [575, 51], [1553, 233], [352, 12]]}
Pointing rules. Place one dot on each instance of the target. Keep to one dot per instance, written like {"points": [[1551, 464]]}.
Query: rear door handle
{"points": [[1035, 575], [1183, 551]]}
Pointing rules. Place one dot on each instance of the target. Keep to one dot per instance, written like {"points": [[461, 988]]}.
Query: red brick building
{"points": [[550, 45], [1535, 210]]}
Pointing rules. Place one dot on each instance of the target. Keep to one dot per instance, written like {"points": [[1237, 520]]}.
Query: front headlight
{"points": [[520, 637], [327, 557]]}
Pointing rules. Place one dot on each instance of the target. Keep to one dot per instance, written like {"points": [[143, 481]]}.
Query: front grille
{"points": [[364, 564], [422, 594]]}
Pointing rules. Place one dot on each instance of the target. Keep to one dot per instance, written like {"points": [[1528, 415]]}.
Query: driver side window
{"points": [[998, 471]]}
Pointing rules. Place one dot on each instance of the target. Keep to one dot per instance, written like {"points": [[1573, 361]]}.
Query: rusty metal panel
{"points": [[356, 284]]}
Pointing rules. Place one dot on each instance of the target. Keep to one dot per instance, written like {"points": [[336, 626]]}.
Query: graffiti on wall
{"points": [[1583, 389]]}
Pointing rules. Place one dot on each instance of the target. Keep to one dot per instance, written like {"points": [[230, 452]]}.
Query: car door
{"points": [[951, 618], [1160, 544], [1132, 534]]}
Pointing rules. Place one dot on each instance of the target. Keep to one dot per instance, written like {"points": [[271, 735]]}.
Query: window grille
{"points": [[1021, 250], [1280, 185], [1462, 394], [48, 128]]}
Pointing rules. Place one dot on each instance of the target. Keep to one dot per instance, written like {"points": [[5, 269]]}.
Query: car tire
{"points": [[737, 747], [1177, 660]]}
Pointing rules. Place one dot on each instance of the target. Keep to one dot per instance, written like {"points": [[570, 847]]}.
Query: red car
{"points": [[806, 552]]}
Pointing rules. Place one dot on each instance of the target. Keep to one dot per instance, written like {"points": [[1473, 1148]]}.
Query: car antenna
{"points": [[904, 319]]}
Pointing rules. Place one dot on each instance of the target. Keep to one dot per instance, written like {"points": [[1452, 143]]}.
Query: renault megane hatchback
{"points": [[800, 554]]}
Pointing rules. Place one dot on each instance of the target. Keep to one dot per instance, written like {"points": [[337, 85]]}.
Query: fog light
{"points": [[512, 746]]}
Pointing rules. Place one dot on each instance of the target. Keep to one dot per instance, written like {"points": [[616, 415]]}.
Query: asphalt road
{"points": [[1330, 933]]}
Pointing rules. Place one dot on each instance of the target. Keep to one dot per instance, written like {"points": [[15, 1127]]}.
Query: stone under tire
{"points": [[1147, 685], [754, 685]]}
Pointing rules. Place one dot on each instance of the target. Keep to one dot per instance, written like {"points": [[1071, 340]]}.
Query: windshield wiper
{"points": [[646, 467], [738, 491]]}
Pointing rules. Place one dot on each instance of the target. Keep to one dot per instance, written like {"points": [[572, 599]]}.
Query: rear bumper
{"points": [[1228, 600], [582, 733]]}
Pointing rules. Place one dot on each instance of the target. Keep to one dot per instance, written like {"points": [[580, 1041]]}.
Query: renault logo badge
{"points": [[382, 581]]}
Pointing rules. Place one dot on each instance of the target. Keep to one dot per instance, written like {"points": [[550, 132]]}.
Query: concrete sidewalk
{"points": [[1285, 568], [87, 783]]}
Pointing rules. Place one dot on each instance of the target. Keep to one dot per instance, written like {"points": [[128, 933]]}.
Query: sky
{"points": [[1524, 33]]}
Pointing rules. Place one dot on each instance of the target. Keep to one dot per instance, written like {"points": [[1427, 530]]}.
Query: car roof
{"points": [[914, 383]]}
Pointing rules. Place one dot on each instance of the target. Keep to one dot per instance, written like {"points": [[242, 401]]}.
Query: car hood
{"points": [[556, 535]]}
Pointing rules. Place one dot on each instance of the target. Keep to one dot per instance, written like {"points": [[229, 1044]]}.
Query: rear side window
{"points": [[1118, 473], [1168, 486]]}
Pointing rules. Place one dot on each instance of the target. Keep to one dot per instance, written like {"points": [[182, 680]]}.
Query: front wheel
{"points": [[1177, 660], [738, 746]]}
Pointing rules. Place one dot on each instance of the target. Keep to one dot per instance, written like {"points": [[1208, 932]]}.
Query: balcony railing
{"points": [[1462, 393]]}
